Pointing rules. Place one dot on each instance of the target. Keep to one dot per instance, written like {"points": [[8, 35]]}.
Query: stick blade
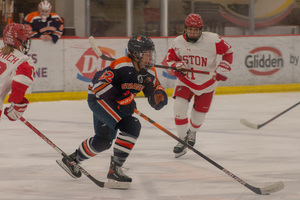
{"points": [[117, 185], [272, 188], [248, 124], [94, 46]]}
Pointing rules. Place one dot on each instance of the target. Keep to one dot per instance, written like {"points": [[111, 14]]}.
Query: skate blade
{"points": [[112, 184], [62, 165], [177, 155]]}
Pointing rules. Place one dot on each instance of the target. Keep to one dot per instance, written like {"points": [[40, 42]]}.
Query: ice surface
{"points": [[259, 157]]}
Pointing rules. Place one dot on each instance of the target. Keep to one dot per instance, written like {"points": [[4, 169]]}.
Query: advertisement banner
{"points": [[70, 64], [49, 65]]}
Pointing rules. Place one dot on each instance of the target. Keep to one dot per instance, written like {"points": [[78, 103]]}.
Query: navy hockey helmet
{"points": [[138, 45]]}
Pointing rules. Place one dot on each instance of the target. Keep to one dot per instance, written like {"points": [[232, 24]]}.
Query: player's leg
{"points": [[201, 106], [182, 97], [105, 132], [129, 132]]}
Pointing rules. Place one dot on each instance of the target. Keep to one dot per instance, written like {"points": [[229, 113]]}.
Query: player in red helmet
{"points": [[196, 50], [16, 70], [193, 27]]}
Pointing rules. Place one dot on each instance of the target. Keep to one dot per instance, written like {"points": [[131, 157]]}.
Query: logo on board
{"points": [[89, 63], [263, 61]]}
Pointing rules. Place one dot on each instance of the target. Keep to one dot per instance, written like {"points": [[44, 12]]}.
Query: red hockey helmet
{"points": [[17, 35], [193, 20]]}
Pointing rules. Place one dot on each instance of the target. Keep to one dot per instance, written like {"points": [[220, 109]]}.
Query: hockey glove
{"points": [[159, 99], [15, 111], [222, 71], [179, 68], [127, 103]]}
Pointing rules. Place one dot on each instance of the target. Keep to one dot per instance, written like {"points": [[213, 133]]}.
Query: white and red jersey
{"points": [[15, 69], [201, 55]]}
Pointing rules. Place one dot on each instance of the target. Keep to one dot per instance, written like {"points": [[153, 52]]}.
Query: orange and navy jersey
{"points": [[113, 81], [53, 26]]}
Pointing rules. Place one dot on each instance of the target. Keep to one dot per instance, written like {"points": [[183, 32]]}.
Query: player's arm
{"points": [[21, 81], [157, 96], [173, 60], [29, 21], [101, 83], [223, 69], [59, 25]]}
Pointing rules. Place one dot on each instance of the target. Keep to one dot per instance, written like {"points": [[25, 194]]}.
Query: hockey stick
{"points": [[265, 190], [258, 126], [104, 57], [61, 152]]}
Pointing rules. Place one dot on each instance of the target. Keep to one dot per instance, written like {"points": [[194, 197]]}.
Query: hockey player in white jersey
{"points": [[16, 70], [196, 50]]}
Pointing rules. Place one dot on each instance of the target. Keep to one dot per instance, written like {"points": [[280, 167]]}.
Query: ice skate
{"points": [[179, 150], [116, 173], [190, 138], [71, 169]]}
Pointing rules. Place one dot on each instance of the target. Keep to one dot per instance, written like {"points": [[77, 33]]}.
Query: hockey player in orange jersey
{"points": [[111, 98], [45, 25]]}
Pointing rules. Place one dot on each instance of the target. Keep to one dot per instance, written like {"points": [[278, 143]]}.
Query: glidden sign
{"points": [[264, 61]]}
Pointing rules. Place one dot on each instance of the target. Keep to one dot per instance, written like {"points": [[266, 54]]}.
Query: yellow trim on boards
{"points": [[222, 90]]}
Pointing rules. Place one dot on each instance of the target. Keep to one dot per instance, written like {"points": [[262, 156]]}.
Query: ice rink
{"points": [[259, 157]]}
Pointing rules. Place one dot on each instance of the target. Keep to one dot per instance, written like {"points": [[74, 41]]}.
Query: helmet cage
{"points": [[147, 58], [26, 45]]}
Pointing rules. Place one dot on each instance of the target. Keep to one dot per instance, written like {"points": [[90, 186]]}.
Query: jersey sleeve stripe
{"points": [[23, 79]]}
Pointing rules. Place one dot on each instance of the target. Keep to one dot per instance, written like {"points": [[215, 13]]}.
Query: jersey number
{"points": [[107, 76], [2, 67], [192, 74]]}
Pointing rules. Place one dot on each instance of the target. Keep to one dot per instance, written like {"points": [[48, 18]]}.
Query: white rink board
{"points": [[69, 64]]}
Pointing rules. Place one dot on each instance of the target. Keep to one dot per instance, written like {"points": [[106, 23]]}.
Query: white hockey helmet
{"points": [[44, 10], [45, 5]]}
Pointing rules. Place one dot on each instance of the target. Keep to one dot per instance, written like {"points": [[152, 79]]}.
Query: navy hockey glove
{"points": [[127, 103], [159, 99]]}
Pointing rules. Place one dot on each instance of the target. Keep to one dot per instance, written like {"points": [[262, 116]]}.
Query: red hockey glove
{"points": [[126, 102], [179, 68], [222, 71], [15, 111]]}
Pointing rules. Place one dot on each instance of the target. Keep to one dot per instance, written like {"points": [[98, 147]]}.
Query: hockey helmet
{"points": [[17, 35], [138, 46], [45, 5], [193, 20], [44, 10], [193, 27]]}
